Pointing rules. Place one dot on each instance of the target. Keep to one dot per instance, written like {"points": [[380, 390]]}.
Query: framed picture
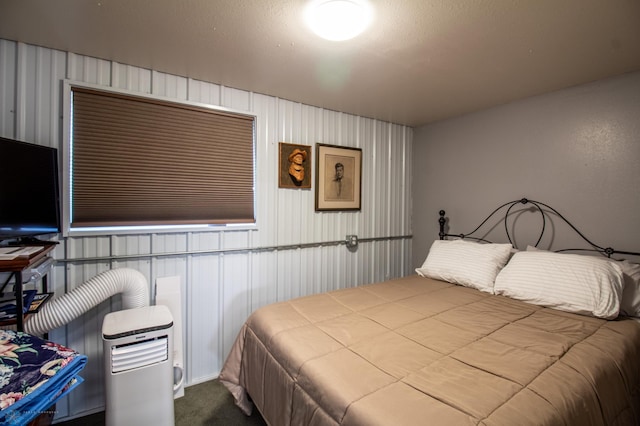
{"points": [[38, 301], [338, 177], [295, 166]]}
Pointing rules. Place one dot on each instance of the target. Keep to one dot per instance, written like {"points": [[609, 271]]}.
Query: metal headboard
{"points": [[607, 251]]}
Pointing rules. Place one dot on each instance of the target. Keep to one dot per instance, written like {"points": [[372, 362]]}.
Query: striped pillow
{"points": [[630, 303], [567, 282], [466, 263], [630, 299]]}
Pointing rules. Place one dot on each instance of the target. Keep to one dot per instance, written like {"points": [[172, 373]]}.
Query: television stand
{"points": [[17, 267]]}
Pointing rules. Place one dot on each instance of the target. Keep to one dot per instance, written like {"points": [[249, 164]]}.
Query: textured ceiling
{"points": [[421, 61]]}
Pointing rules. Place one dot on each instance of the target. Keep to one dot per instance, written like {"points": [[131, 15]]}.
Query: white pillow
{"points": [[466, 263], [630, 302], [568, 282]]}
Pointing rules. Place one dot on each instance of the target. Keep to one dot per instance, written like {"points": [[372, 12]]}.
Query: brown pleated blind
{"points": [[142, 161]]}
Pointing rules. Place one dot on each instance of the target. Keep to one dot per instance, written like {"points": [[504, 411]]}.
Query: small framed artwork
{"points": [[295, 166], [338, 178], [38, 301]]}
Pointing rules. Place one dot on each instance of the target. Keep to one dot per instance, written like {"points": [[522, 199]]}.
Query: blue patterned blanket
{"points": [[34, 374]]}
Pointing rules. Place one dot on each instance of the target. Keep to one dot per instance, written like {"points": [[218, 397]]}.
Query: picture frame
{"points": [[38, 301], [295, 166], [338, 178]]}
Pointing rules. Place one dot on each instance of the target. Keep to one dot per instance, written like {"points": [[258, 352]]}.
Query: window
{"points": [[139, 161]]}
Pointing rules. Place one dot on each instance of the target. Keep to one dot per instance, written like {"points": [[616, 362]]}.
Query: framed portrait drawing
{"points": [[338, 178], [295, 166]]}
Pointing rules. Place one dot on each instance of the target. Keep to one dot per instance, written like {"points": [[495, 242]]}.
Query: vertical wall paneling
{"points": [[204, 317], [135, 79], [23, 73], [220, 288], [8, 79]]}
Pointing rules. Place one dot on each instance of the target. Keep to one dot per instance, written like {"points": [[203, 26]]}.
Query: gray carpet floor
{"points": [[207, 403]]}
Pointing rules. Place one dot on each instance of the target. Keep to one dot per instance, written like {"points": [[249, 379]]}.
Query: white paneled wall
{"points": [[220, 287]]}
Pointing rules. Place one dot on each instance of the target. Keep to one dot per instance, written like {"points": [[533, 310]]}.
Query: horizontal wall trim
{"points": [[229, 251]]}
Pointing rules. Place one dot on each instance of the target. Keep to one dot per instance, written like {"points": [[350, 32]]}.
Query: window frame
{"points": [[67, 168]]}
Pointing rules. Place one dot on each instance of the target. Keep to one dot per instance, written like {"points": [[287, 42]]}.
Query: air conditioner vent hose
{"points": [[64, 309]]}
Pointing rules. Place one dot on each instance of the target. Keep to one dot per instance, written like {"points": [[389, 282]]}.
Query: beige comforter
{"points": [[416, 351]]}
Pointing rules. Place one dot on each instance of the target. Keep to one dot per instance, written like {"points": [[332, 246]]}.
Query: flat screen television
{"points": [[29, 191]]}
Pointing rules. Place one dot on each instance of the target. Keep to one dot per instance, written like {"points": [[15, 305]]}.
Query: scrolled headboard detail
{"points": [[538, 206]]}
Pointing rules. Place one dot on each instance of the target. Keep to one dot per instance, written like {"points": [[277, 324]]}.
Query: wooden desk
{"points": [[16, 267]]}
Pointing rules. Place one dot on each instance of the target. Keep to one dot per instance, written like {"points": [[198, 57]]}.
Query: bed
{"points": [[482, 334]]}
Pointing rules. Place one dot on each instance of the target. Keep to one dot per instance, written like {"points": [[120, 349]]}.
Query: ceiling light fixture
{"points": [[338, 20]]}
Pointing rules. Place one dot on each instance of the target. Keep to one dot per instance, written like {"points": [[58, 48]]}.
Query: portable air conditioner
{"points": [[138, 350]]}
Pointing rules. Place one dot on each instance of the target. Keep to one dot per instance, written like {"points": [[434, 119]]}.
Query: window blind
{"points": [[144, 161]]}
